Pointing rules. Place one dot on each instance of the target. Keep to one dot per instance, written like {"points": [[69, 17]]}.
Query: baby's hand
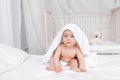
{"points": [[83, 70], [58, 69]]}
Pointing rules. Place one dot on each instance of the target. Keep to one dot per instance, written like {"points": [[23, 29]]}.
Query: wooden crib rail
{"points": [[116, 24], [89, 23], [108, 25]]}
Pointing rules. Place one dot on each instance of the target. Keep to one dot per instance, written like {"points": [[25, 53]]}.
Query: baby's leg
{"points": [[74, 65], [51, 66]]}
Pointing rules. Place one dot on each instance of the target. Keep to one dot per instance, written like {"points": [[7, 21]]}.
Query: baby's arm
{"points": [[57, 59], [81, 61]]}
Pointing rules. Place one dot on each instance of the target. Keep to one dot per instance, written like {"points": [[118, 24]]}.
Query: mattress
{"points": [[107, 68], [106, 47]]}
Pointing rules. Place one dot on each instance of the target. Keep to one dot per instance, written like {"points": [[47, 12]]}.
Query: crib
{"points": [[108, 25]]}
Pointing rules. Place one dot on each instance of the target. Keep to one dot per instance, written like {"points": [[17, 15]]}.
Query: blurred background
{"points": [[31, 25]]}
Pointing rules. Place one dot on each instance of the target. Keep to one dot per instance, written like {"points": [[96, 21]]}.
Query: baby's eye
{"points": [[65, 36], [72, 36]]}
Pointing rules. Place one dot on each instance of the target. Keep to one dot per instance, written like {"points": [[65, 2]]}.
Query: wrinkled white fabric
{"points": [[79, 36]]}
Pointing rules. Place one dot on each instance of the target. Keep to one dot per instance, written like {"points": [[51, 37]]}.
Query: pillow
{"points": [[11, 56], [5, 66]]}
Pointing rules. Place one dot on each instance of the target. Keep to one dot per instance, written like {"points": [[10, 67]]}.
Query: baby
{"points": [[67, 51]]}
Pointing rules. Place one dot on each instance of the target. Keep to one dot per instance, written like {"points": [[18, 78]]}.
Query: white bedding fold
{"points": [[32, 69]]}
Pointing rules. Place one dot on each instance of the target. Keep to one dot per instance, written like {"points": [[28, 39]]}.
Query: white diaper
{"points": [[62, 63]]}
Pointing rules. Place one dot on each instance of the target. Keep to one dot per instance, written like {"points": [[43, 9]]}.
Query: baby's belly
{"points": [[65, 59]]}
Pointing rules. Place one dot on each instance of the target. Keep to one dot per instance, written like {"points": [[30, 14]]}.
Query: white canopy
{"points": [[76, 7]]}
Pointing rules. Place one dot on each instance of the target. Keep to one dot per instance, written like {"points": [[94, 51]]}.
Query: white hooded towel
{"points": [[79, 36]]}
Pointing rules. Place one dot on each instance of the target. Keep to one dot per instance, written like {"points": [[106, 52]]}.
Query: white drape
{"points": [[34, 25], [77, 7], [10, 22]]}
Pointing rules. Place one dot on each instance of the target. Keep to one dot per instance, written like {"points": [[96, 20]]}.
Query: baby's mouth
{"points": [[68, 42]]}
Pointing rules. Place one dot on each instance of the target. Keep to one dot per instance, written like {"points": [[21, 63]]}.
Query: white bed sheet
{"points": [[108, 68], [106, 47]]}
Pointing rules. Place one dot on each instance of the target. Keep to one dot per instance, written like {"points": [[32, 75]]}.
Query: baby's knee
{"points": [[74, 61]]}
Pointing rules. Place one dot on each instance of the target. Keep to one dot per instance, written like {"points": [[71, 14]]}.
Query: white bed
{"points": [[32, 69], [106, 48]]}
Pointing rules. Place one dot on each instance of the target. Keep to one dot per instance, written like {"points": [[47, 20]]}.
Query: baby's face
{"points": [[68, 38]]}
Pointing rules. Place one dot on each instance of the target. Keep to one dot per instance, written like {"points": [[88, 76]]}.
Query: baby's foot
{"points": [[57, 70], [83, 70], [50, 68], [75, 69]]}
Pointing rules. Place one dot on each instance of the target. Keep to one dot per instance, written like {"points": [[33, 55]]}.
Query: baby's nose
{"points": [[68, 38]]}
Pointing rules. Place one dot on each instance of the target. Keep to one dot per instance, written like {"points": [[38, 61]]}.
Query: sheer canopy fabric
{"points": [[34, 26], [10, 22]]}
